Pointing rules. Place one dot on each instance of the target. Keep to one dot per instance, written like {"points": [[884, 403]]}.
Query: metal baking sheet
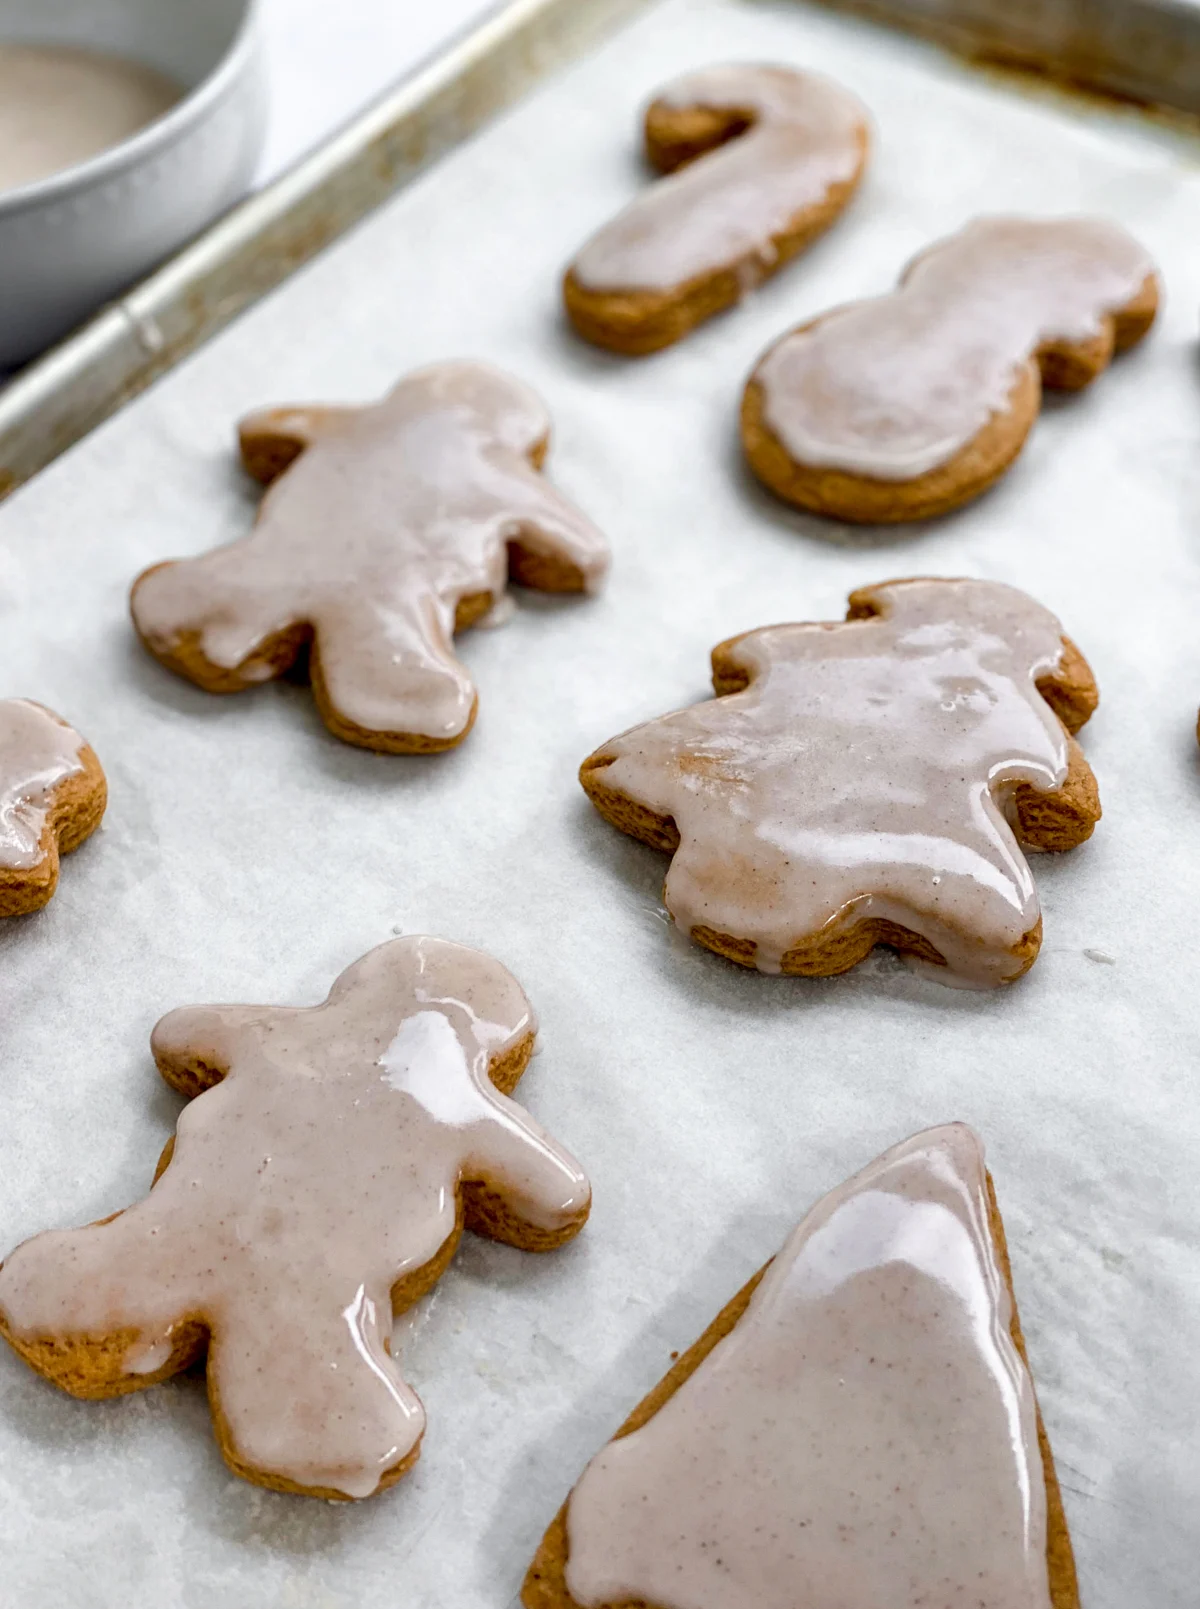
{"points": [[1148, 50], [249, 856], [146, 332]]}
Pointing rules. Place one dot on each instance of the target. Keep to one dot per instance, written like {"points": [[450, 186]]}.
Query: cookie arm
{"points": [[105, 1309], [273, 438], [519, 1185], [223, 619], [194, 1046], [738, 660], [553, 546]]}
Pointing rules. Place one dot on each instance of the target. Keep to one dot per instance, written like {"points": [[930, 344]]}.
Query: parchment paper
{"points": [[247, 855]]}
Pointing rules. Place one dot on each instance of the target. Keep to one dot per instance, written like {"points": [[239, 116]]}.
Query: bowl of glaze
{"points": [[126, 126]]}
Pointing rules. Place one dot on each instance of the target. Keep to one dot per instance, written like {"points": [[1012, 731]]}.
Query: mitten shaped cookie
{"points": [[318, 1182], [762, 160], [857, 1429], [909, 405], [387, 529], [52, 797], [868, 783]]}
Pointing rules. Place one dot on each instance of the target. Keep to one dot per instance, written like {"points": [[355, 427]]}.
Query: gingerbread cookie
{"points": [[868, 783], [911, 404], [52, 797], [762, 160], [387, 529], [318, 1182], [858, 1427]]}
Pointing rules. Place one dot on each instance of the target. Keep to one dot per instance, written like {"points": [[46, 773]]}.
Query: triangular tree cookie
{"points": [[856, 1430]]}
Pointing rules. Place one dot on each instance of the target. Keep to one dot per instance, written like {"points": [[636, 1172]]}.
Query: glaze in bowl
{"points": [[77, 238]]}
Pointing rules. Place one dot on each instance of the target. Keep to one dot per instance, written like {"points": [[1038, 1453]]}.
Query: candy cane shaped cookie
{"points": [[761, 161], [908, 405]]}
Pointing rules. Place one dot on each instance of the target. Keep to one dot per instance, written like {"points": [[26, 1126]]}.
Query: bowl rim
{"points": [[163, 130]]}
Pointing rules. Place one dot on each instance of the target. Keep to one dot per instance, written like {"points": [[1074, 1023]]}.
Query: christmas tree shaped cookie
{"points": [[318, 1182], [869, 782], [52, 797], [857, 1429], [387, 529]]}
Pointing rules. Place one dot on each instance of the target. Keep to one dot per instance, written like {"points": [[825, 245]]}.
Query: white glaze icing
{"points": [[391, 516], [38, 752], [864, 773], [320, 1171], [864, 1438], [894, 387], [724, 209], [60, 105]]}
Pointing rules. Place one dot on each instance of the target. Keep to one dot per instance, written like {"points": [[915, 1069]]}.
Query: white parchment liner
{"points": [[248, 855]]}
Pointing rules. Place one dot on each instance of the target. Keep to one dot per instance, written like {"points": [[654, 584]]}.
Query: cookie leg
{"points": [[68, 1308], [306, 1397], [389, 679]]}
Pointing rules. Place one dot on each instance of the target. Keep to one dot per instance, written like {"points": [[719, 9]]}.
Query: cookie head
{"points": [[760, 160], [868, 782], [385, 530], [911, 404], [317, 1184]]}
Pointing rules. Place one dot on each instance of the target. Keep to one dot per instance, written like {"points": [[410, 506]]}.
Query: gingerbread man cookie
{"points": [[387, 529], [909, 405], [761, 161], [52, 797], [868, 783], [318, 1182], [858, 1427]]}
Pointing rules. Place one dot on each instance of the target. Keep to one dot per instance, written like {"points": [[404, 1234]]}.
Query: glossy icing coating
{"points": [[390, 517], [863, 772], [806, 136], [38, 752], [317, 1174], [60, 105], [894, 387], [866, 1435]]}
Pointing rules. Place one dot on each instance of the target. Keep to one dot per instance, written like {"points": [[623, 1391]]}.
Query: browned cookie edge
{"points": [[868, 500], [76, 808], [90, 1366], [1054, 820], [545, 1583], [637, 322]]}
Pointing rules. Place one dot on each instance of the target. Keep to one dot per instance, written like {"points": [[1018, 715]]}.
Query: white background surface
{"points": [[248, 855], [326, 59]]}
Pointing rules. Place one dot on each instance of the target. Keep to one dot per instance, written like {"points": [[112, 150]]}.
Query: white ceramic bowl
{"points": [[72, 241]]}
